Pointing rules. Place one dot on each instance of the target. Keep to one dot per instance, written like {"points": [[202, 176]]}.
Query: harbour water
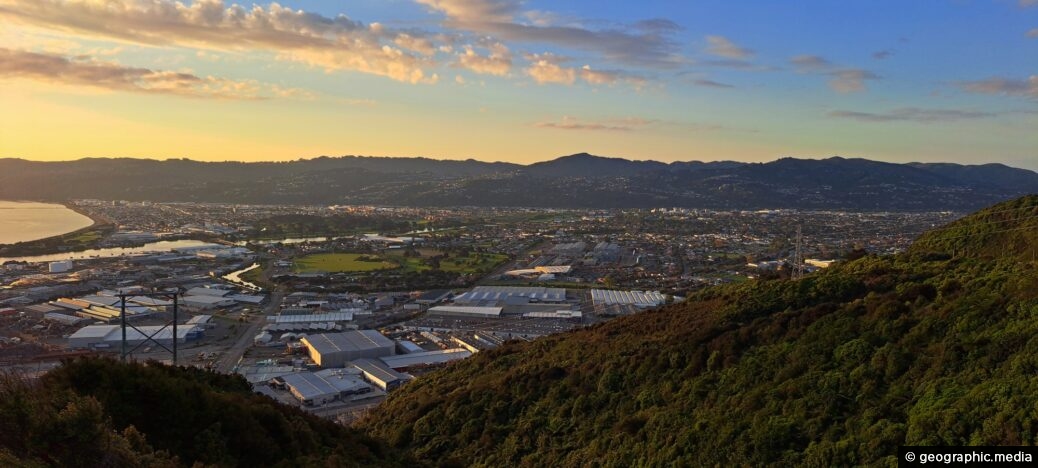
{"points": [[26, 221], [153, 247]]}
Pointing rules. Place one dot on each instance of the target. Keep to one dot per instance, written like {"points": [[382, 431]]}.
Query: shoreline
{"points": [[39, 246]]}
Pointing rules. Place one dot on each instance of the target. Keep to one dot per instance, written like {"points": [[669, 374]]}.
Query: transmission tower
{"points": [[154, 338], [798, 257]]}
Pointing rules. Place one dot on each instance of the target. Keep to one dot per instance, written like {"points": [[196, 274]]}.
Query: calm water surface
{"points": [[26, 221]]}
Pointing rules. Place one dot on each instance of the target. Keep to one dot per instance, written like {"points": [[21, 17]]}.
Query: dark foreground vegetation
{"points": [[99, 412]]}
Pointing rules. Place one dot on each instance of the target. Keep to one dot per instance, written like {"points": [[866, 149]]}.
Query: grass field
{"points": [[463, 265], [340, 263]]}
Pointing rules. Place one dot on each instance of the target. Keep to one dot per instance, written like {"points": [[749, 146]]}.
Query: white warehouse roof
{"points": [[636, 298], [466, 310]]}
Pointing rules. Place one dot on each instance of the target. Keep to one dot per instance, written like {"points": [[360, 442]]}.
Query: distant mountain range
{"points": [[575, 181]]}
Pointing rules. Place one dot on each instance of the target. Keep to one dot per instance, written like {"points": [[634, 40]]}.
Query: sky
{"points": [[521, 81]]}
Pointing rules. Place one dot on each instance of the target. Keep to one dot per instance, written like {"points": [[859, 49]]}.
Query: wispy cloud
{"points": [[85, 72], [841, 80], [338, 43], [711, 84], [850, 80], [1033, 33], [1003, 86], [609, 125], [644, 44], [549, 68], [722, 47], [912, 114], [810, 63], [1028, 3], [882, 54]]}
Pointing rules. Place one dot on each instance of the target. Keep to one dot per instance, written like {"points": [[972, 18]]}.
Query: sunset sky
{"points": [[521, 81]]}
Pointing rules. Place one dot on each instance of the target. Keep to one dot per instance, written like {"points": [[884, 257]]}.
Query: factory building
{"points": [[379, 374], [319, 388], [640, 299], [433, 296], [110, 336], [466, 311], [336, 349], [63, 266], [428, 358], [206, 302], [511, 295], [344, 316]]}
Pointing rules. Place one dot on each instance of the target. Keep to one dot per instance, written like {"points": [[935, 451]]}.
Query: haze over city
{"points": [[950, 81]]}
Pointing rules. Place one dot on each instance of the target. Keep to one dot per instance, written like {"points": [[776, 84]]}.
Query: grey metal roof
{"points": [[426, 358], [354, 340], [377, 370], [310, 385]]}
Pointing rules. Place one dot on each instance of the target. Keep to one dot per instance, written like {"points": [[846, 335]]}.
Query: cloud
{"points": [[475, 10], [722, 47], [548, 68], [841, 80], [711, 84], [810, 63], [882, 54], [498, 62], [1028, 3], [1033, 33], [545, 68], [649, 44], [82, 71], [850, 80], [1003, 86], [338, 43], [611, 125], [912, 114]]}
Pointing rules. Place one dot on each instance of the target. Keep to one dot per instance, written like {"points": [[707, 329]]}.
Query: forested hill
{"points": [[99, 412], [575, 181], [935, 346]]}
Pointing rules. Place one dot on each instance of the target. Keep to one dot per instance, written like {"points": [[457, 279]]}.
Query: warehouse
{"points": [[379, 374], [466, 311], [346, 316], [336, 349], [318, 388], [640, 299], [110, 336], [488, 295], [433, 296], [206, 302], [428, 358]]}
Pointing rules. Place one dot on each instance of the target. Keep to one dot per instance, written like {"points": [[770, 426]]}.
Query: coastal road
{"points": [[230, 358]]}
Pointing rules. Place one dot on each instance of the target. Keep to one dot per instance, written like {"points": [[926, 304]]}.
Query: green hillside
{"points": [[99, 412], [935, 346]]}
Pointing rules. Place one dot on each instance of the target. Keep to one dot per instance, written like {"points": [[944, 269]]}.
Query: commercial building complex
{"points": [[336, 349]]}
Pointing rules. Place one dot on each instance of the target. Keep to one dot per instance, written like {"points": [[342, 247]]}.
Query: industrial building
{"points": [[433, 296], [206, 302], [110, 336], [336, 349], [379, 374], [60, 267], [640, 299], [345, 316], [319, 388], [428, 358], [466, 311], [513, 295]]}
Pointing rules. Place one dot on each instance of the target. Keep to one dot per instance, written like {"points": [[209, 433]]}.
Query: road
{"points": [[228, 359]]}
